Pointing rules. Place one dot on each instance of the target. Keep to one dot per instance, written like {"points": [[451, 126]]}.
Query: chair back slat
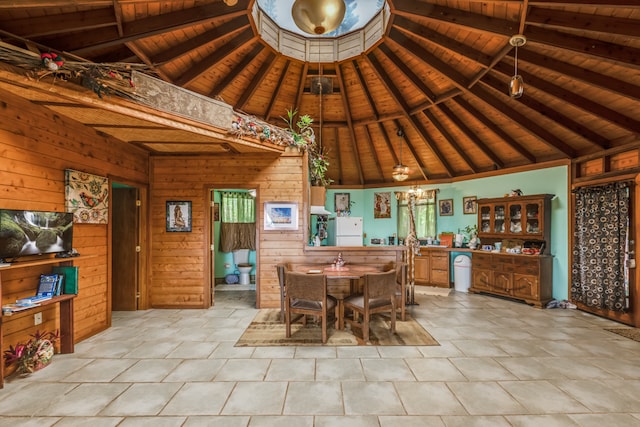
{"points": [[379, 285], [306, 286]]}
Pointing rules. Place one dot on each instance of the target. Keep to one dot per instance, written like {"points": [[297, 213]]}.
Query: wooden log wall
{"points": [[180, 264], [36, 146]]}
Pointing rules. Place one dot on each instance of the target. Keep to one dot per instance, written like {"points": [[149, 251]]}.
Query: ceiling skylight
{"points": [[358, 14]]}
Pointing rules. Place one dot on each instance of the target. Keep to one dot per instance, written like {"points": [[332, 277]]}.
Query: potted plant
{"points": [[303, 137], [472, 234], [33, 355]]}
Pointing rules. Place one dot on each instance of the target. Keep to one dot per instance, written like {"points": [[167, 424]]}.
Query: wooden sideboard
{"points": [[524, 277]]}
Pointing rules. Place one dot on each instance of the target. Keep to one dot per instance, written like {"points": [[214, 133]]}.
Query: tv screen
{"points": [[29, 232]]}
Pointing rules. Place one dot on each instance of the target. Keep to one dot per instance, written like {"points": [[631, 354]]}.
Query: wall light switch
{"points": [[37, 318]]}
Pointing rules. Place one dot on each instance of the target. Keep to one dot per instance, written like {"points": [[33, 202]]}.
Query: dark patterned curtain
{"points": [[238, 221], [599, 276]]}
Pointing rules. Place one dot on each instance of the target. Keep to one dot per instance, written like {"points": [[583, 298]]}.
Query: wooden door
{"points": [[124, 240]]}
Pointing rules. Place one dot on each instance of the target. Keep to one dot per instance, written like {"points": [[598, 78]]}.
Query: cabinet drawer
{"points": [[440, 277], [439, 262]]}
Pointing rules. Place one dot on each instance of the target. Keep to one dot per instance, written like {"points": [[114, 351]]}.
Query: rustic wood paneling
{"points": [[180, 264], [37, 145]]}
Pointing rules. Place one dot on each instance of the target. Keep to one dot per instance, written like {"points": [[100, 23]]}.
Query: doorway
{"points": [[225, 276], [125, 247]]}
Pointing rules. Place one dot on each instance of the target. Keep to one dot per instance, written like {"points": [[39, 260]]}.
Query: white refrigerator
{"points": [[348, 231]]}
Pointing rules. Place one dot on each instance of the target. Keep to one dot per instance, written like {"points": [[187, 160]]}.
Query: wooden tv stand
{"points": [[64, 303]]}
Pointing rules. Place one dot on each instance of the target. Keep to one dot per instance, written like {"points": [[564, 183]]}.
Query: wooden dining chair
{"points": [[401, 289], [282, 269], [306, 294], [378, 296]]}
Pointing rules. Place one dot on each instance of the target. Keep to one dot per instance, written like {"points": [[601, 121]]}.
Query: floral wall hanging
{"points": [[87, 197]]}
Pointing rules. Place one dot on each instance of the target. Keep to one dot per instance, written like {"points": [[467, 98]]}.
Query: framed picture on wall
{"points": [[342, 202], [446, 207], [178, 216], [280, 216], [469, 205], [382, 205], [216, 211]]}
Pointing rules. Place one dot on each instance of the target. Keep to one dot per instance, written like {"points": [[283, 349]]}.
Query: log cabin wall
{"points": [[36, 146], [180, 266]]}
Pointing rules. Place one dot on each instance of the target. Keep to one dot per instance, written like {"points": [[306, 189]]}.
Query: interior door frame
{"points": [[210, 233], [143, 242]]}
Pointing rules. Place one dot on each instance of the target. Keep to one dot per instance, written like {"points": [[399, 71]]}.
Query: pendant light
{"points": [[318, 16], [516, 84], [400, 171]]}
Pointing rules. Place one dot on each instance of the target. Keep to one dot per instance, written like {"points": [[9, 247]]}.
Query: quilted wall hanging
{"points": [[87, 196]]}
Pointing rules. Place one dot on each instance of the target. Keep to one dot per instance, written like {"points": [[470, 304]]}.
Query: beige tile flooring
{"points": [[499, 363]]}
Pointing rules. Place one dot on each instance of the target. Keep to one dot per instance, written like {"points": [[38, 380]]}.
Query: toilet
{"points": [[241, 260]]}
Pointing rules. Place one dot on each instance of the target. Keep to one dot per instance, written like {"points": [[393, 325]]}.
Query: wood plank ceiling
{"points": [[440, 72]]}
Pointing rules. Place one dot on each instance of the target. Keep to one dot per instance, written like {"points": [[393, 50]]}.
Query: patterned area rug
{"points": [[632, 333], [266, 330]]}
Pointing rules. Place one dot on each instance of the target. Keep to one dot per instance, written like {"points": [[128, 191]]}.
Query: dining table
{"points": [[351, 272]]}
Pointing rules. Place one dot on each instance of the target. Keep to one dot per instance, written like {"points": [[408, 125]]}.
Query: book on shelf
{"points": [[70, 280], [9, 309], [47, 285]]}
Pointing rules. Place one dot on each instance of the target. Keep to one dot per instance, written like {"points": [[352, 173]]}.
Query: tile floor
{"points": [[499, 363]]}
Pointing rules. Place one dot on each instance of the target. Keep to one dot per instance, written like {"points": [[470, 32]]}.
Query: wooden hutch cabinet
{"points": [[519, 217], [524, 277]]}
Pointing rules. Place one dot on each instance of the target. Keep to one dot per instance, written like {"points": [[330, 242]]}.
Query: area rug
{"points": [[630, 333], [432, 290], [266, 330]]}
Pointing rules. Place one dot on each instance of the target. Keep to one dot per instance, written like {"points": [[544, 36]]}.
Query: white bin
{"points": [[462, 273]]}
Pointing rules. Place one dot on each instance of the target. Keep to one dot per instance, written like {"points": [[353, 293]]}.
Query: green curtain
{"points": [[238, 221], [425, 217]]}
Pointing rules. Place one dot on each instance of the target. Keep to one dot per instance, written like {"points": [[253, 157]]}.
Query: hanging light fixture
{"points": [[318, 16], [400, 171], [230, 2], [516, 84]]}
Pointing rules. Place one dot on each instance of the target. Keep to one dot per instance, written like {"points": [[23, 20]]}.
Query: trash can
{"points": [[462, 273]]}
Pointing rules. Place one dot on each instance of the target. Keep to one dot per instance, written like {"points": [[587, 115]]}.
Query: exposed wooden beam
{"points": [[256, 81], [593, 23], [471, 134], [348, 116], [495, 129], [215, 58], [276, 92], [451, 140], [236, 25], [41, 26], [233, 73]]}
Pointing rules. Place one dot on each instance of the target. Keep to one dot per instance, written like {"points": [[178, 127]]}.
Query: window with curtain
{"points": [[237, 221], [425, 215]]}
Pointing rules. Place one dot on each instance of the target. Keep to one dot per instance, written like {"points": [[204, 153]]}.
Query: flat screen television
{"points": [[28, 232]]}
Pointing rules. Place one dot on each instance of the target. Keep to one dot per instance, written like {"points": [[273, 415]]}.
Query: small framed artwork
{"points": [[342, 202], [382, 205], [216, 211], [469, 205], [178, 216], [446, 207], [280, 216]]}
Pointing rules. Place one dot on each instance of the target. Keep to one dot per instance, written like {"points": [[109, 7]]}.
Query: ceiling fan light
{"points": [[318, 16], [400, 172], [516, 86]]}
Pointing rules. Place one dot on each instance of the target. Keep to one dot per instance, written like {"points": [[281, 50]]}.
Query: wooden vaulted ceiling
{"points": [[440, 73]]}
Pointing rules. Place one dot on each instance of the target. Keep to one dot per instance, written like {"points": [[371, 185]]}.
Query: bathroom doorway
{"points": [[233, 268]]}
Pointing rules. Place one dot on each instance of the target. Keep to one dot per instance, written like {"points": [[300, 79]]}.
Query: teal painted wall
{"points": [[544, 181]]}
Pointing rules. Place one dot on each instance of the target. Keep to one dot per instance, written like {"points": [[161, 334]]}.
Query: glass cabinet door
{"points": [[499, 219], [515, 218], [485, 219], [533, 218]]}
